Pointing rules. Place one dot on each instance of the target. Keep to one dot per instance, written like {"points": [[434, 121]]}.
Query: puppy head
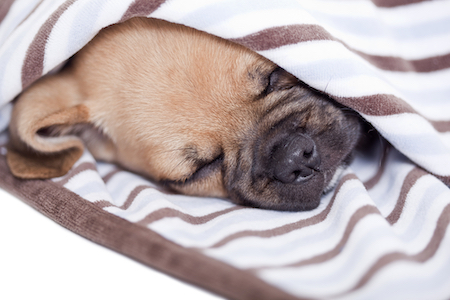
{"points": [[200, 115], [290, 151]]}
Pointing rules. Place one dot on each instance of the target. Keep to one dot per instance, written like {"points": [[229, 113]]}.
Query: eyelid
{"points": [[280, 79], [269, 82], [203, 170], [206, 167]]}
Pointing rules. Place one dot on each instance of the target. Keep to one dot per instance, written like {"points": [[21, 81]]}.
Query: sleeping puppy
{"points": [[196, 113]]}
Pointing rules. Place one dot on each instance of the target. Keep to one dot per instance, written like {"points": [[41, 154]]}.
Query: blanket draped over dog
{"points": [[382, 233]]}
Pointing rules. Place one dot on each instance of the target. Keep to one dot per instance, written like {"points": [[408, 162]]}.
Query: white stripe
{"points": [[77, 182], [417, 139], [5, 115], [446, 138], [104, 168], [18, 11], [416, 13], [419, 48], [415, 82], [402, 16], [96, 196], [248, 23], [178, 9]]}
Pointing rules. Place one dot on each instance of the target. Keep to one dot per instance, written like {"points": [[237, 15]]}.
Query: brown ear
{"points": [[42, 166], [40, 144]]}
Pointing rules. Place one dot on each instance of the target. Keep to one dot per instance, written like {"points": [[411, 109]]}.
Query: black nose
{"points": [[295, 159]]}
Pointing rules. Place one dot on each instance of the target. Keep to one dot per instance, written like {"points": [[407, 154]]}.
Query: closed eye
{"points": [[279, 79], [206, 168], [271, 81]]}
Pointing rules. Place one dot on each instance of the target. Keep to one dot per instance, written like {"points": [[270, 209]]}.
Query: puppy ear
{"points": [[40, 144]]}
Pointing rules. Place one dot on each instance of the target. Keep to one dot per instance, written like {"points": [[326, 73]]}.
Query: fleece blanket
{"points": [[382, 233]]}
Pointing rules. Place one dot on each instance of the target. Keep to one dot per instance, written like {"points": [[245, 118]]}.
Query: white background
{"points": [[39, 259]]}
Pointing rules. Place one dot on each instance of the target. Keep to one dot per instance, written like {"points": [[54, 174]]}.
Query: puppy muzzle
{"points": [[291, 162]]}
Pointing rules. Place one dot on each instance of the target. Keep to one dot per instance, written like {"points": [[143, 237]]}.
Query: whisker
{"points": [[326, 86]]}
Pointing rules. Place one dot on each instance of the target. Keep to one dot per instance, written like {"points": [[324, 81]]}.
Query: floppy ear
{"points": [[40, 144]]}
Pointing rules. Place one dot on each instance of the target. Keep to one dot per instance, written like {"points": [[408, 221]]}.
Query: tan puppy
{"points": [[196, 113]]}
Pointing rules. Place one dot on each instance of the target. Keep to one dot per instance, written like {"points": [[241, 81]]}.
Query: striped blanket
{"points": [[380, 234]]}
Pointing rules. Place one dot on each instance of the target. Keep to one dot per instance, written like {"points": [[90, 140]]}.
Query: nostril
{"points": [[311, 158], [308, 153]]}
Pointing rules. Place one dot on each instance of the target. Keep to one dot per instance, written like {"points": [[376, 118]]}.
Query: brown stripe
{"points": [[33, 65], [288, 227], [75, 171], [139, 243], [421, 257], [5, 5], [276, 37], [103, 203], [441, 126], [386, 148], [394, 3], [317, 259], [444, 179], [173, 213], [130, 199], [377, 105], [385, 105], [141, 8], [423, 65], [111, 174], [410, 180], [134, 193]]}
